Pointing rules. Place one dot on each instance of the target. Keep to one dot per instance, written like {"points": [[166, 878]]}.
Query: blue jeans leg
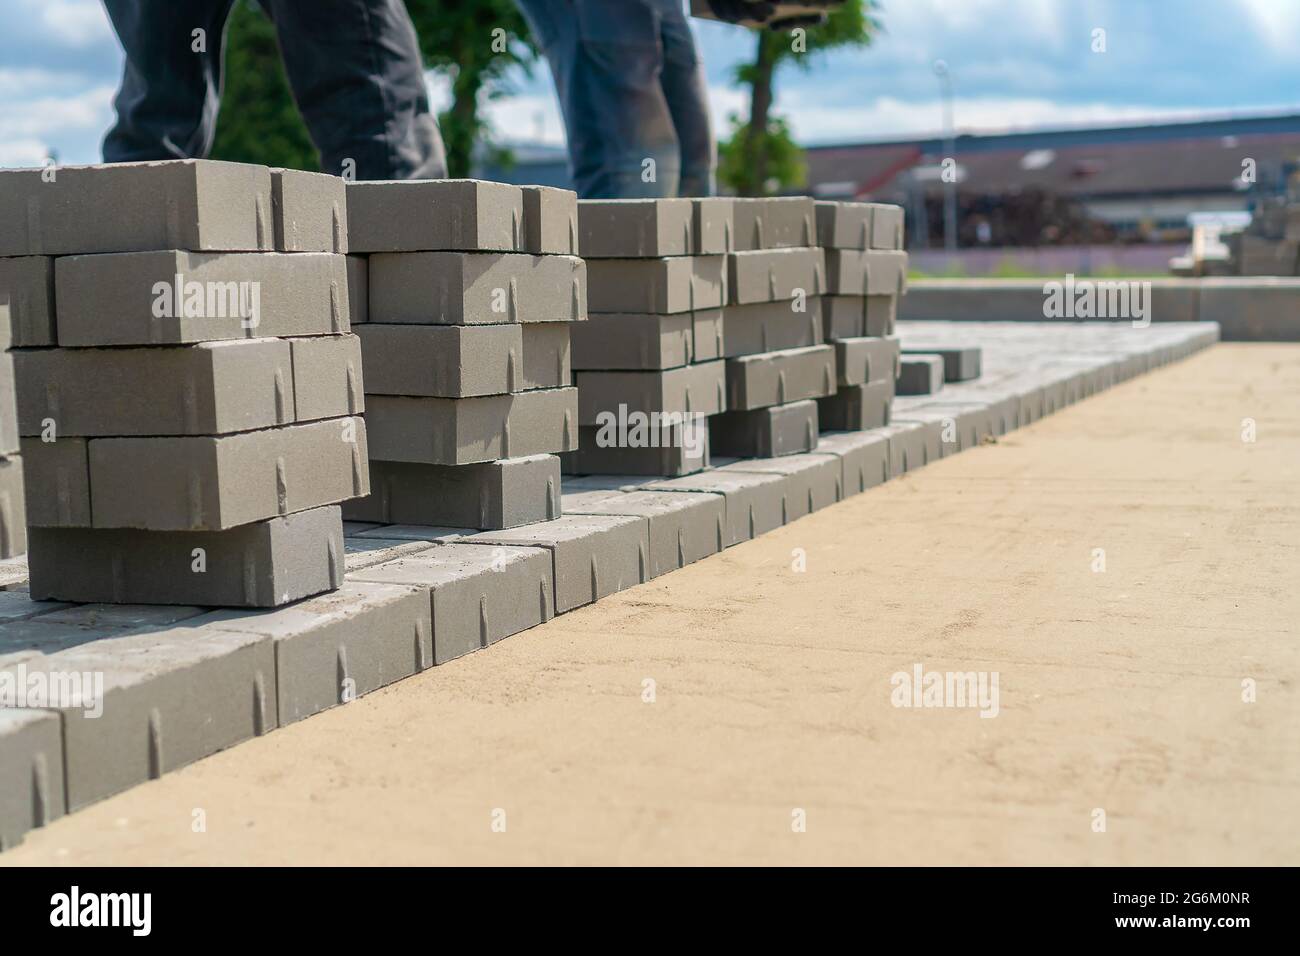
{"points": [[167, 103], [607, 59], [353, 65]]}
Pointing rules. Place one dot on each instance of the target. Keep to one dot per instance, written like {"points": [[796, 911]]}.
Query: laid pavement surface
{"points": [[742, 709]]}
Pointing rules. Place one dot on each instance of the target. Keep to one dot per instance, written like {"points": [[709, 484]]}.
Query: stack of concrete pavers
{"points": [[923, 371], [189, 394], [13, 520], [180, 683], [777, 362], [649, 364], [473, 288], [1270, 245], [866, 273]]}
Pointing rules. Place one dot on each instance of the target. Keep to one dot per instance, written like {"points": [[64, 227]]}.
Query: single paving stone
{"points": [[595, 555]]}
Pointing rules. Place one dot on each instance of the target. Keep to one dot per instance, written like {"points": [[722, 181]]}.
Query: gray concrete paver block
{"points": [[857, 407], [869, 272], [771, 275], [635, 228], [755, 502], [886, 226], [19, 606], [616, 341], [698, 389], [595, 555], [478, 595], [672, 450], [31, 772], [665, 286], [471, 288], [712, 223], [434, 214], [774, 223], [920, 373], [863, 454], [907, 446], [547, 355], [336, 647], [360, 553], [771, 326], [812, 481], [961, 363], [844, 225], [357, 271], [327, 380], [778, 378], [29, 283], [61, 469], [550, 221], [310, 211], [212, 388], [442, 361], [134, 298], [765, 432], [264, 564], [169, 698], [683, 528], [463, 431], [215, 483], [192, 204], [866, 359], [490, 495], [882, 314], [708, 334]]}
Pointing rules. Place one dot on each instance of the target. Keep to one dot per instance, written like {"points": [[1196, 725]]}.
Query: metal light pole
{"points": [[950, 147]]}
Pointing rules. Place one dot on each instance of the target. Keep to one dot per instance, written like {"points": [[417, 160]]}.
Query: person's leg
{"points": [[606, 59], [171, 82], [687, 96], [358, 79]]}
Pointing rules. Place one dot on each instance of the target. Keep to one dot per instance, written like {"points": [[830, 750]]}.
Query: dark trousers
{"points": [[354, 67], [632, 92]]}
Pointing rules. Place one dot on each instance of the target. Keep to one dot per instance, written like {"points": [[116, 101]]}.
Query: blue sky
{"points": [[1015, 63]]}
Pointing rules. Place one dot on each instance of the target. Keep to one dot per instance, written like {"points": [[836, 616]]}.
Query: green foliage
{"points": [[760, 157], [458, 38], [474, 43], [259, 122], [785, 165]]}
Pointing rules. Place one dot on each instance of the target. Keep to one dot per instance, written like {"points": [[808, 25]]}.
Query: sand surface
{"points": [[1119, 691]]}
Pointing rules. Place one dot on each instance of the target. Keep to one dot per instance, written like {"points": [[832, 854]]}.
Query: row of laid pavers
{"points": [[1246, 308], [102, 697]]}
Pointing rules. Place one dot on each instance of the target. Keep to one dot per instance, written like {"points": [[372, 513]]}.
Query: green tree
{"points": [[259, 122], [760, 156], [472, 42]]}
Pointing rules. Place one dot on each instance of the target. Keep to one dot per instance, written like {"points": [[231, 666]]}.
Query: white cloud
{"points": [[532, 119], [74, 23], [30, 124], [917, 26], [23, 152], [723, 101], [526, 117], [1276, 22]]}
